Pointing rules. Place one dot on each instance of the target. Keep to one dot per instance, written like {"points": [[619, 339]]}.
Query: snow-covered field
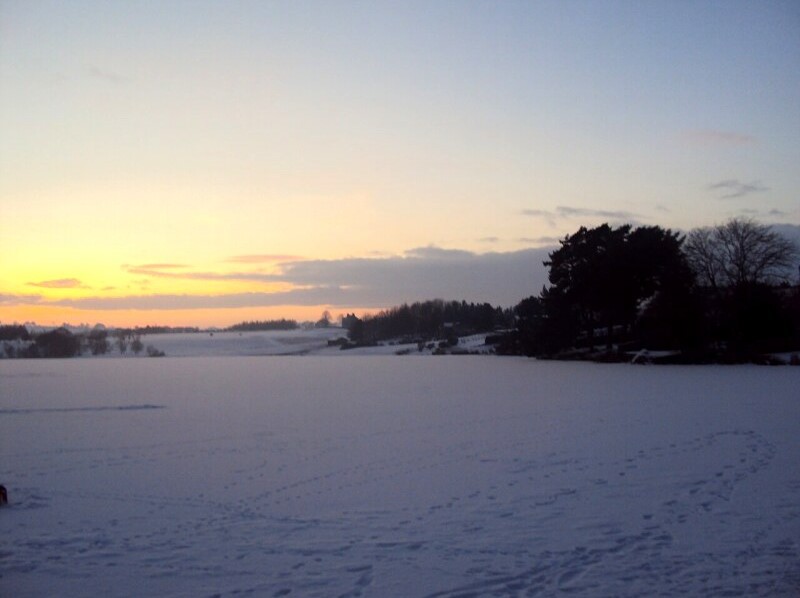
{"points": [[284, 342], [391, 476], [269, 342]]}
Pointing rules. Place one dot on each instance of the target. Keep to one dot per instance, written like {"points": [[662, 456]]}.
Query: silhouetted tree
{"points": [[57, 343], [740, 252], [531, 335], [739, 265], [755, 321], [325, 320], [600, 277], [98, 341], [136, 344], [122, 341], [10, 332]]}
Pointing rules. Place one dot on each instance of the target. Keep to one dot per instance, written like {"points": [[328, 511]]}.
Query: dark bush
{"points": [[57, 343], [153, 352]]}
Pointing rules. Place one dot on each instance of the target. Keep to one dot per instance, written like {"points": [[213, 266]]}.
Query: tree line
{"points": [[255, 325], [720, 293], [717, 294], [427, 320], [61, 342], [723, 294]]}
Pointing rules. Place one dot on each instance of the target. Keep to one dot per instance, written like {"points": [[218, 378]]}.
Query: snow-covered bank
{"points": [[397, 477]]}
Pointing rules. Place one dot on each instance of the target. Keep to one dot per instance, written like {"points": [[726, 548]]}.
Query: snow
{"points": [[391, 476], [284, 342], [270, 342], [301, 341]]}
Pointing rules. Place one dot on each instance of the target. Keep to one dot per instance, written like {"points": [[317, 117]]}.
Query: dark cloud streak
{"points": [[11, 299], [61, 283], [711, 137], [263, 258], [421, 273], [733, 188], [562, 212], [244, 276]]}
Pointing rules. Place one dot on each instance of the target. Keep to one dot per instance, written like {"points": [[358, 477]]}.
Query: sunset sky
{"points": [[206, 163]]}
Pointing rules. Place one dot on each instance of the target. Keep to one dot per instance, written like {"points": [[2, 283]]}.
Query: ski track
{"points": [[474, 506]]}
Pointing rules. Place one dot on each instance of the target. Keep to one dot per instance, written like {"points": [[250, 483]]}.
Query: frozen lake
{"points": [[397, 476]]}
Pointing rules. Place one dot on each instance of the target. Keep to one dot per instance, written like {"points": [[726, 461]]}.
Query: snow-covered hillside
{"points": [[384, 476], [268, 342], [283, 342]]}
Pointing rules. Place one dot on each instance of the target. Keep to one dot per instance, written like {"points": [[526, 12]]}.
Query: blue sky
{"points": [[194, 132]]}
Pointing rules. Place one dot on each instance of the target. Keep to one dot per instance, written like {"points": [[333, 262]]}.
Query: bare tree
{"points": [[703, 256], [122, 341], [740, 252], [325, 320], [98, 341], [136, 344]]}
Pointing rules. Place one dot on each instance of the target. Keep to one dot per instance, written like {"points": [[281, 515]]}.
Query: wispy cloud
{"points": [[489, 240], [545, 240], [733, 188], [156, 266], [569, 212], [263, 258], [105, 75], [192, 275], [756, 213], [432, 252], [548, 216], [12, 299], [312, 296], [61, 283], [710, 137]]}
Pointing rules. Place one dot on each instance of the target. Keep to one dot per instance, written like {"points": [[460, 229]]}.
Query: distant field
{"points": [[267, 342], [279, 342]]}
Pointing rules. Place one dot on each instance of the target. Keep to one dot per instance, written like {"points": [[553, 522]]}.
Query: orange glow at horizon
{"points": [[44, 315]]}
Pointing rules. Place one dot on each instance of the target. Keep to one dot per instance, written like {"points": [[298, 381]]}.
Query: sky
{"points": [[204, 163]]}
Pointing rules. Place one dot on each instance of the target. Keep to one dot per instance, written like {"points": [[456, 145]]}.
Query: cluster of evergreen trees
{"points": [[721, 293], [160, 330], [428, 320], [255, 325], [11, 332]]}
